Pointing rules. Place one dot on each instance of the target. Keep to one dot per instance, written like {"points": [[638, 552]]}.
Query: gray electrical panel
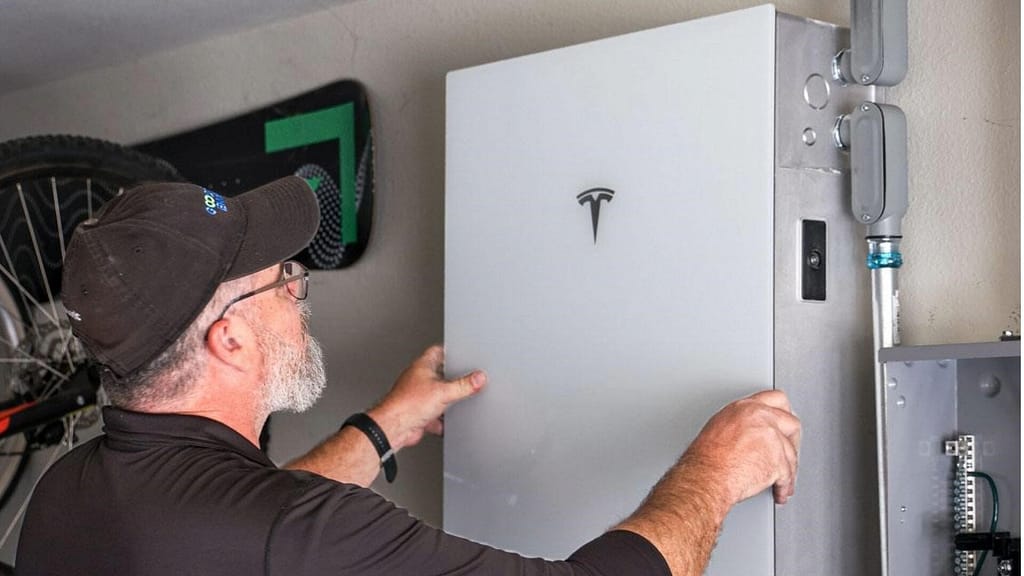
{"points": [[949, 411]]}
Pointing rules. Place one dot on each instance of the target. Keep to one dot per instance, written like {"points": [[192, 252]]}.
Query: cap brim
{"points": [[281, 219]]}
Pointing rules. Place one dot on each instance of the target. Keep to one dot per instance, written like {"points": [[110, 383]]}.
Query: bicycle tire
{"points": [[48, 185]]}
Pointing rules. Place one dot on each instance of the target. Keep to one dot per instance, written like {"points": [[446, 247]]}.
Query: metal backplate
{"points": [[823, 353], [920, 409]]}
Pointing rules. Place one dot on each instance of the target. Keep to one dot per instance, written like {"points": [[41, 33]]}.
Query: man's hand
{"points": [[415, 405], [748, 446], [417, 401]]}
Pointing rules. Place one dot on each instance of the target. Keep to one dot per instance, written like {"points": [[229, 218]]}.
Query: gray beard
{"points": [[295, 374]]}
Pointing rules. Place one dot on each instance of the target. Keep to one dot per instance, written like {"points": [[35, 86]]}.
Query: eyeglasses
{"points": [[294, 277]]}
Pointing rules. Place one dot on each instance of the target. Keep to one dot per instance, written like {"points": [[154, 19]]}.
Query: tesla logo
{"points": [[594, 197]]}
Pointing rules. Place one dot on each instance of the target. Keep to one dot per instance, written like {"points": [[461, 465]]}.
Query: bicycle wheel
{"points": [[48, 184]]}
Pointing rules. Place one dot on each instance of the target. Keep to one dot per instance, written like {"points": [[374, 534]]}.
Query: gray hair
{"points": [[175, 371]]}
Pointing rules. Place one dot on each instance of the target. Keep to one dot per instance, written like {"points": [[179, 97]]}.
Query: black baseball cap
{"points": [[137, 275]]}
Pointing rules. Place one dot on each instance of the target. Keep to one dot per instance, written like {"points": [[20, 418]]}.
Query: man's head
{"points": [[145, 280]]}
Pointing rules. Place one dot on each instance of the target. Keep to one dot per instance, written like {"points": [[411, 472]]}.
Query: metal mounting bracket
{"points": [[876, 136], [878, 52]]}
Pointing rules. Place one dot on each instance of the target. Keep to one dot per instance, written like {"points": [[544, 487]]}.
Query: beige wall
{"points": [[961, 281]]}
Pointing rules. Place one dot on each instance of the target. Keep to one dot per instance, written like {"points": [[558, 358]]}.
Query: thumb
{"points": [[464, 387]]}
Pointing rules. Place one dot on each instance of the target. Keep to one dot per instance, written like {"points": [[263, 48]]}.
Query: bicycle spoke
{"points": [[14, 316], [8, 271], [66, 336], [39, 261], [42, 363], [56, 213], [50, 390], [29, 359], [25, 294]]}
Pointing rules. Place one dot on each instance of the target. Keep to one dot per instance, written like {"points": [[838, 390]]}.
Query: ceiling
{"points": [[45, 40]]}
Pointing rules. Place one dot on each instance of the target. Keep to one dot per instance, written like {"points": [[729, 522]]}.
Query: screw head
{"points": [[865, 108], [865, 217], [865, 79], [814, 260]]}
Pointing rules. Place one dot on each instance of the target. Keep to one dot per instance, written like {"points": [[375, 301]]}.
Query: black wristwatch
{"points": [[388, 462]]}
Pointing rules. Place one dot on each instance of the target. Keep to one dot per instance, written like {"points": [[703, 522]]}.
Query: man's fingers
{"points": [[789, 437], [788, 424], [435, 427], [461, 388], [773, 398], [786, 483]]}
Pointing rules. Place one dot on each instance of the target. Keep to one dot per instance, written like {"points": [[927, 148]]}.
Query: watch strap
{"points": [[368, 426]]}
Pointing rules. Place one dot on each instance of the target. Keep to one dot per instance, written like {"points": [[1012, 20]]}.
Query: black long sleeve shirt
{"points": [[172, 494]]}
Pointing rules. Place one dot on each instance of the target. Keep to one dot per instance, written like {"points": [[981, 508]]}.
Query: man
{"points": [[183, 299]]}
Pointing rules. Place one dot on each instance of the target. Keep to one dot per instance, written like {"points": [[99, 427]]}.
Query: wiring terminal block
{"points": [[964, 500]]}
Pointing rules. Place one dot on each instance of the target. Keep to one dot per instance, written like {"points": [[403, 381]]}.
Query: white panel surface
{"points": [[605, 358]]}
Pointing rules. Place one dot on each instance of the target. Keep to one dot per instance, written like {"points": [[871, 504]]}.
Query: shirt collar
{"points": [[128, 430]]}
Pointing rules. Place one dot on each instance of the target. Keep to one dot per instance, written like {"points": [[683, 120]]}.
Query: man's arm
{"points": [[413, 407], [749, 445]]}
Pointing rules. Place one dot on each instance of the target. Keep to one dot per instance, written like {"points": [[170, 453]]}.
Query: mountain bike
{"points": [[48, 390]]}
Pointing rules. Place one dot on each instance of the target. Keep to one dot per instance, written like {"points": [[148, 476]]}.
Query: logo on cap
{"points": [[214, 202]]}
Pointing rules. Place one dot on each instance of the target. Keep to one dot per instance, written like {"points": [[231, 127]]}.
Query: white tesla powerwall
{"points": [[639, 230]]}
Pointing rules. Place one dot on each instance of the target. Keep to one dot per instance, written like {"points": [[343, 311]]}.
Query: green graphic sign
{"points": [[335, 123]]}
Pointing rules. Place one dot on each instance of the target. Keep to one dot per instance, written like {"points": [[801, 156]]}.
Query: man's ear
{"points": [[232, 341]]}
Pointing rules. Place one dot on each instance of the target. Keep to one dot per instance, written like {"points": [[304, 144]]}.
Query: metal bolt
{"points": [[865, 79], [901, 401], [990, 386], [810, 137], [865, 217], [865, 107]]}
